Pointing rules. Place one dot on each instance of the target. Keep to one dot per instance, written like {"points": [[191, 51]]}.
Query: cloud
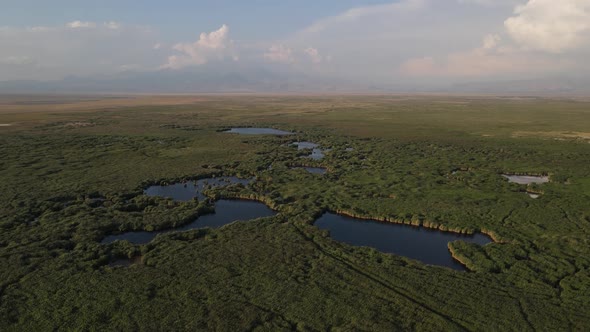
{"points": [[434, 41], [369, 43], [279, 53], [314, 55], [300, 58], [74, 49], [490, 41], [422, 41], [360, 13], [490, 59], [213, 45], [112, 25], [80, 24], [88, 25], [551, 26]]}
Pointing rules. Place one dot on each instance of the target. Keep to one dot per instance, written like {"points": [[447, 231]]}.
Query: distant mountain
{"points": [[235, 78], [544, 86], [208, 80]]}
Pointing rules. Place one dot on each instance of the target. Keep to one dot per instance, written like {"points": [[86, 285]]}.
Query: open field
{"points": [[73, 170]]}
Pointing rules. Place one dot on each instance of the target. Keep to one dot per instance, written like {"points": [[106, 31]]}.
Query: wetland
{"points": [[226, 212], [162, 176]]}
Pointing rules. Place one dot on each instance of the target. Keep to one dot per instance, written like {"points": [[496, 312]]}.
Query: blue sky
{"points": [[249, 19], [391, 42]]}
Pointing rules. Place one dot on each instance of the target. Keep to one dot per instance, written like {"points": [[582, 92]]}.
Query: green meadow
{"points": [[73, 170]]}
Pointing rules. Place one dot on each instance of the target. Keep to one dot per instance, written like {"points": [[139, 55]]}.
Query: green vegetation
{"points": [[69, 178]]}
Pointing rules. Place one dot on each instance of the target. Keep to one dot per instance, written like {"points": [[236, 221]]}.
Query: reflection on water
{"points": [[423, 244], [316, 152], [313, 170], [526, 179], [186, 191], [226, 212]]}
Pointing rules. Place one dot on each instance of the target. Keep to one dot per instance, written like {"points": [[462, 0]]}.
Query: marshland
{"points": [[216, 230]]}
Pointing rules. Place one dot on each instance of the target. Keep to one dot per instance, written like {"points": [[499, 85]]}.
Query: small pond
{"points": [[316, 152], [226, 212], [258, 131], [426, 245], [305, 145], [186, 191], [526, 179], [313, 170]]}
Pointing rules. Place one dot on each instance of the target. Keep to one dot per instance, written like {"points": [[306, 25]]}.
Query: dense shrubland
{"points": [[415, 161]]}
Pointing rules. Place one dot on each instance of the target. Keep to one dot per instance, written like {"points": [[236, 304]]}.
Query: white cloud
{"points": [[490, 59], [279, 53], [313, 54], [552, 26], [371, 42], [213, 45], [39, 28], [81, 24], [300, 58], [454, 39], [112, 25], [76, 49], [491, 41], [360, 13], [421, 40]]}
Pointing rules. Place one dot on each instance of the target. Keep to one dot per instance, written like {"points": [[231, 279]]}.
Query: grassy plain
{"points": [[73, 169]]}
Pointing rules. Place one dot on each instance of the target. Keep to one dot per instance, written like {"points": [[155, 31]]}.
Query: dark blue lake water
{"points": [[419, 243], [313, 170], [186, 191], [226, 212]]}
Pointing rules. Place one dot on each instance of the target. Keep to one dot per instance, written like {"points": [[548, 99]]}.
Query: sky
{"points": [[386, 42]]}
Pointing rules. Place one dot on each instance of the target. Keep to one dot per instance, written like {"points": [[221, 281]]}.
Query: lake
{"points": [[258, 131], [316, 152], [526, 179], [313, 170], [186, 191], [226, 212], [426, 245]]}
